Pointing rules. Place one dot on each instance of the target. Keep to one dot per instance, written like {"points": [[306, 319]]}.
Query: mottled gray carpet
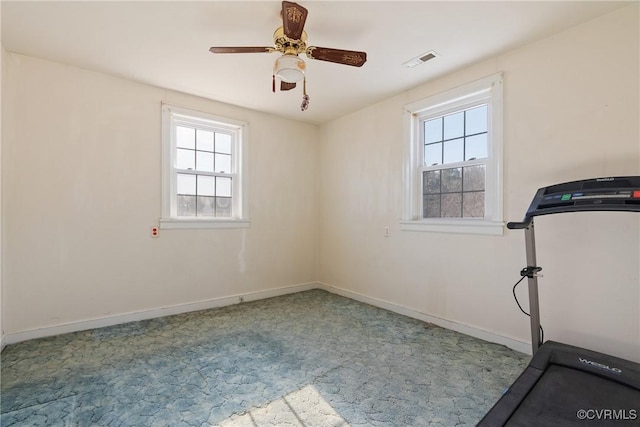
{"points": [[306, 359]]}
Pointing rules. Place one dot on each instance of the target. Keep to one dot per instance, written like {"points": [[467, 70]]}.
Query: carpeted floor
{"points": [[306, 359]]}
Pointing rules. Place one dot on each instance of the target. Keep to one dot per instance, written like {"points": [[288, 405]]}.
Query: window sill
{"points": [[173, 223], [458, 226]]}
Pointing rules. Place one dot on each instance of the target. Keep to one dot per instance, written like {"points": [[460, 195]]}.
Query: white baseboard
{"points": [[521, 346], [83, 325]]}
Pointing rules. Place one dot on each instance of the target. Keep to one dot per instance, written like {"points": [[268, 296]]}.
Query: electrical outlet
{"points": [[155, 232], [386, 231]]}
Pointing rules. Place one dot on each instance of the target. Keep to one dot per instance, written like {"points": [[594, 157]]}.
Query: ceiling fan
{"points": [[290, 40]]}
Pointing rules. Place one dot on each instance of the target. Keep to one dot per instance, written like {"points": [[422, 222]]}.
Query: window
{"points": [[453, 160], [202, 170], [453, 170]]}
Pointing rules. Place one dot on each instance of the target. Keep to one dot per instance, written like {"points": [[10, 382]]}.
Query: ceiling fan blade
{"points": [[339, 56], [241, 49], [287, 86], [293, 19]]}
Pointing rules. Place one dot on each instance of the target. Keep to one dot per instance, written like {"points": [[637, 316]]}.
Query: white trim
{"points": [[176, 224], [83, 325], [117, 319], [460, 94], [460, 226], [521, 346], [489, 90], [3, 343], [241, 193]]}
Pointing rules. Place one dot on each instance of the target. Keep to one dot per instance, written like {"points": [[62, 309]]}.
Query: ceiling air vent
{"points": [[427, 56]]}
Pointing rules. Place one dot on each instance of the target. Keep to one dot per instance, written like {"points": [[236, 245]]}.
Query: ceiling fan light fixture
{"points": [[290, 68]]}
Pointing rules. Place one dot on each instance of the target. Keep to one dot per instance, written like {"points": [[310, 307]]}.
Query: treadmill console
{"points": [[597, 194]]}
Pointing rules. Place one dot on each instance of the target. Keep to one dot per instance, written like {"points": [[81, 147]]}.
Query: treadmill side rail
{"points": [[505, 407]]}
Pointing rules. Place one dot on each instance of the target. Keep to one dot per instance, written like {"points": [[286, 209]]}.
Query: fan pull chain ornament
{"points": [[305, 97], [290, 40]]}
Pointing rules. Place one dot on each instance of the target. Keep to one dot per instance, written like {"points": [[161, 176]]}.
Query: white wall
{"points": [[2, 53], [82, 188], [570, 112]]}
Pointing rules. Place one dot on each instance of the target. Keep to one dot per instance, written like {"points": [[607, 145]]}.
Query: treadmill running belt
{"points": [[562, 392]]}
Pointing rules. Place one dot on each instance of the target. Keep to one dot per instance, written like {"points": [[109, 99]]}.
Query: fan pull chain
{"points": [[273, 84], [305, 97]]}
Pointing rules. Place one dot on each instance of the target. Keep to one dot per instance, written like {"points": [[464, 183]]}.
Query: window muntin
{"points": [[454, 192], [456, 137], [202, 170]]}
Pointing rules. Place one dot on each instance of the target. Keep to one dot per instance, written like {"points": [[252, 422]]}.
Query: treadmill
{"points": [[565, 385]]}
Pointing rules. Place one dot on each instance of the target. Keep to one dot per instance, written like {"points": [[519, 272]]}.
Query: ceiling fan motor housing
{"points": [[287, 45]]}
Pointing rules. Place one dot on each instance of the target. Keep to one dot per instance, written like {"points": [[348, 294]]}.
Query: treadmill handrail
{"points": [[515, 225]]}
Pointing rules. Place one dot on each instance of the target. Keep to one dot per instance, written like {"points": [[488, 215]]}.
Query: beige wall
{"points": [[570, 112], [2, 53], [82, 180], [81, 189]]}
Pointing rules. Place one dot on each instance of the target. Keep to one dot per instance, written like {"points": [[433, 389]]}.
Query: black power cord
{"points": [[527, 272]]}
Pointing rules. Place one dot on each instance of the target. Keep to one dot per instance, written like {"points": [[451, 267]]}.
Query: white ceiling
{"points": [[166, 43]]}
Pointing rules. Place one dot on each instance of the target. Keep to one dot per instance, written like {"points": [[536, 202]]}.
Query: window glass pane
{"points": [[185, 159], [476, 147], [223, 163], [451, 205], [474, 178], [204, 140], [454, 125], [205, 206], [223, 143], [186, 184], [476, 120], [186, 205], [473, 204], [206, 185], [223, 187], [199, 157], [223, 206], [204, 161], [185, 137], [453, 151], [433, 154], [431, 182], [431, 206], [452, 180], [433, 130]]}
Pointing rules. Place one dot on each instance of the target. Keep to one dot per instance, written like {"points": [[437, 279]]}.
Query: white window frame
{"points": [[171, 117], [484, 91]]}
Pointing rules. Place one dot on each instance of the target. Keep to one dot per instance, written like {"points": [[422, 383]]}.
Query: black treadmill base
{"points": [[569, 386]]}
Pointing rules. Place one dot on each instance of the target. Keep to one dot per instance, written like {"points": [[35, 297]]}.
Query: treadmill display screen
{"points": [[598, 194]]}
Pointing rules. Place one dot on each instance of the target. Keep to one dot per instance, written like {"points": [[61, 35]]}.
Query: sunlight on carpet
{"points": [[303, 407]]}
